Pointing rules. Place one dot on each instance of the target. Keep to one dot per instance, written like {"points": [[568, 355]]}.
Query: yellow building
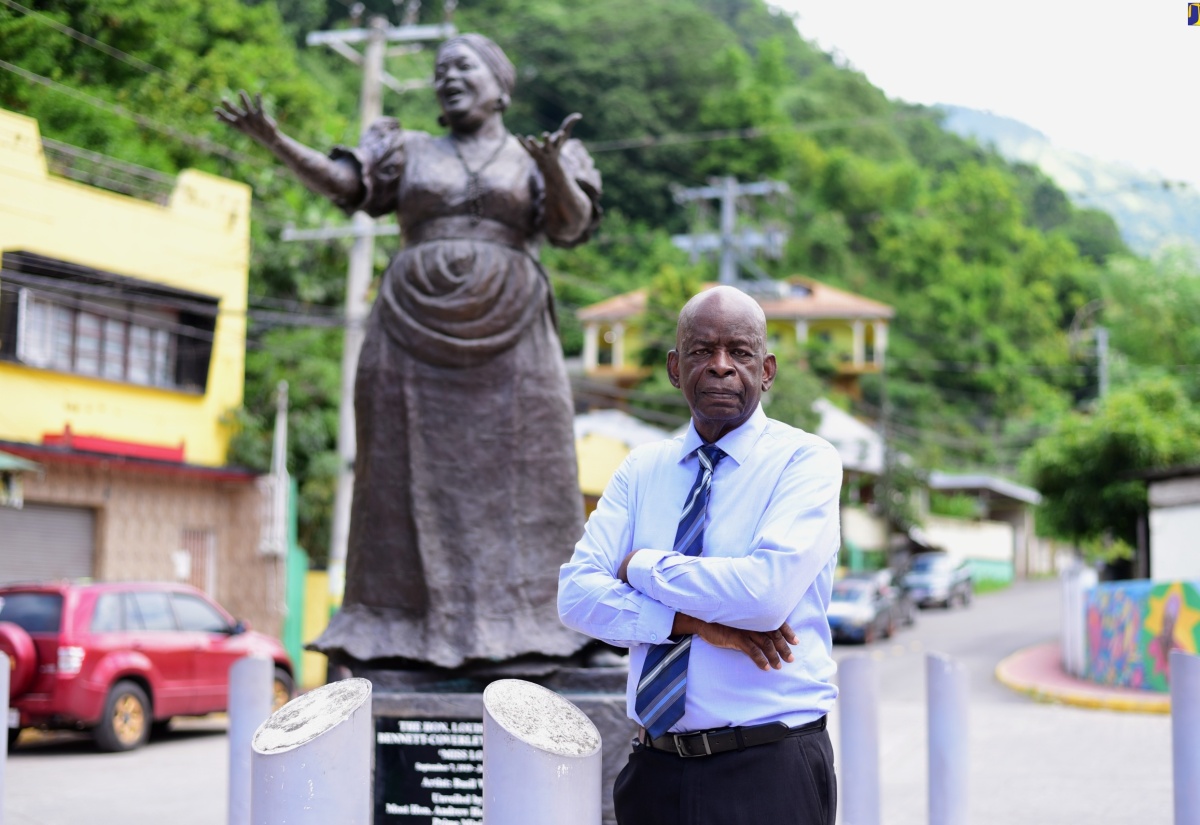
{"points": [[603, 438], [122, 352], [800, 309]]}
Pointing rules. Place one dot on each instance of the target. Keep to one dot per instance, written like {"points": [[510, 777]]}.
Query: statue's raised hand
{"points": [[250, 119], [337, 180], [545, 151]]}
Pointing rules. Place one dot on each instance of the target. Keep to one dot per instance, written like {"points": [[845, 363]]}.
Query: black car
{"points": [[939, 579]]}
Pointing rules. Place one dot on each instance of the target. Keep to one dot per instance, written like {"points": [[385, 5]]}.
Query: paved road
{"points": [[1031, 764], [180, 778]]}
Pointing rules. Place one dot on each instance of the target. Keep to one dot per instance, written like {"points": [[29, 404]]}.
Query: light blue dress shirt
{"points": [[770, 548]]}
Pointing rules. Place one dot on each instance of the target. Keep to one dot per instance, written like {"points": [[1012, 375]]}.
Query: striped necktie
{"points": [[660, 692]]}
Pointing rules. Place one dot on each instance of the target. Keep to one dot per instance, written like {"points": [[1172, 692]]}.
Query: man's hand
{"points": [[623, 570], [768, 650]]}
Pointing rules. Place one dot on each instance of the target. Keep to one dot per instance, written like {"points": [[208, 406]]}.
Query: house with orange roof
{"points": [[853, 327]]}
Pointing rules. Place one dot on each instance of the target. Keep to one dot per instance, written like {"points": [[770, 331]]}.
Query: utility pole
{"points": [[1102, 361], [731, 243], [1099, 339], [375, 37]]}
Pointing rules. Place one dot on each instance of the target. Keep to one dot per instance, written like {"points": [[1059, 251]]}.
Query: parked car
{"points": [[859, 611], [904, 609], [117, 658], [938, 579]]}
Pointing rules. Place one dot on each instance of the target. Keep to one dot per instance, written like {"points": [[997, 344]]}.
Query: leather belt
{"points": [[719, 740], [464, 228]]}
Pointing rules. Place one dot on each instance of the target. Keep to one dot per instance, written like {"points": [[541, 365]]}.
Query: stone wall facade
{"points": [[163, 523]]}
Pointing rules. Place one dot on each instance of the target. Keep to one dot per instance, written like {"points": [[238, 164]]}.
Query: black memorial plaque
{"points": [[428, 771]]}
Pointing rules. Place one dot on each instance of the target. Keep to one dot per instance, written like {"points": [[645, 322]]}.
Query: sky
{"points": [[1119, 81]]}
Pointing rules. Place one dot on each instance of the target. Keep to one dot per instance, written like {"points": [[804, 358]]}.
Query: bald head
{"points": [[731, 303], [720, 360]]}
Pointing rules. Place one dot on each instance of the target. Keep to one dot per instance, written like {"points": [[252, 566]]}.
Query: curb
{"points": [[1066, 690]]}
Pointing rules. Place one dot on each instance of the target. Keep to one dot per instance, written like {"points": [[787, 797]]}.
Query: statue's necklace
{"points": [[474, 190]]}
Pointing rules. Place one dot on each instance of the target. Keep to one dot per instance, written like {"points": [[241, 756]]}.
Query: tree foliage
{"points": [[988, 265], [797, 386], [1151, 309], [1088, 469]]}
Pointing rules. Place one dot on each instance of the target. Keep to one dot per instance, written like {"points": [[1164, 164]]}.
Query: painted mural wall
{"points": [[1132, 627]]}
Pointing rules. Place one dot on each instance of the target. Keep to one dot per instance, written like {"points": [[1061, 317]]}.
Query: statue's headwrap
{"points": [[492, 56]]}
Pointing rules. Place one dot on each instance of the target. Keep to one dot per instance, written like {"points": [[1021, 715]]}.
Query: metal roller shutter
{"points": [[45, 541]]}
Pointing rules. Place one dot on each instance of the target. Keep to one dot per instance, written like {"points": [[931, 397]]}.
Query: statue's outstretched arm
{"points": [[337, 180]]}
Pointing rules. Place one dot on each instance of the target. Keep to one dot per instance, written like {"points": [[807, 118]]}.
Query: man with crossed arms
{"points": [[711, 557]]}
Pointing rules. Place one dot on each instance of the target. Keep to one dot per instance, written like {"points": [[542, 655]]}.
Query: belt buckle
{"points": [[679, 737]]}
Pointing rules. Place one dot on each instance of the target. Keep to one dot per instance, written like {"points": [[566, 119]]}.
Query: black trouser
{"points": [[789, 782]]}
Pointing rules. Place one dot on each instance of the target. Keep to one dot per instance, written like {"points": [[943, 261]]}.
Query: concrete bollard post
{"points": [[5, 676], [311, 760], [946, 686], [1185, 736], [541, 758], [1075, 581], [251, 683], [858, 706]]}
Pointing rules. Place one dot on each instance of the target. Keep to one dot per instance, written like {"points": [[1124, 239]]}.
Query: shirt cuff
{"points": [[655, 622], [640, 571]]}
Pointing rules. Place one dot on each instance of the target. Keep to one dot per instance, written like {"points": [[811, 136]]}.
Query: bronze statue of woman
{"points": [[466, 499]]}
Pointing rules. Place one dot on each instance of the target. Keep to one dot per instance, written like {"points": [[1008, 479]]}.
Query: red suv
{"points": [[117, 658]]}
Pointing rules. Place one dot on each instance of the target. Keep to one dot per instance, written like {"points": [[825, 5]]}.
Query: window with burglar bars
{"points": [[200, 545], [69, 318], [104, 340]]}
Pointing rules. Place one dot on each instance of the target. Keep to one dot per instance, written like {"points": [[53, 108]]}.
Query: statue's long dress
{"points": [[466, 499]]}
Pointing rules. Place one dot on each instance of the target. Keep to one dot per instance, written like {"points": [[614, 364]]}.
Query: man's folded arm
{"points": [[758, 590], [591, 599]]}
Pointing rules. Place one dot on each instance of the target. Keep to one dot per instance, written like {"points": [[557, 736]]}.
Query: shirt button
{"points": [[654, 637]]}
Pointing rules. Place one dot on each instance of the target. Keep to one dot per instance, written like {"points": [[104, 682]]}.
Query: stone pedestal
{"points": [[428, 727]]}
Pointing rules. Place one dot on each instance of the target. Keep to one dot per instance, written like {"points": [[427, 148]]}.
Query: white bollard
{"points": [[311, 760], [251, 689], [1075, 581], [4, 683], [858, 706], [1185, 735], [541, 758], [946, 686]]}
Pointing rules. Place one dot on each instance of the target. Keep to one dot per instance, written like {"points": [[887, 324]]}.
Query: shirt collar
{"points": [[737, 443]]}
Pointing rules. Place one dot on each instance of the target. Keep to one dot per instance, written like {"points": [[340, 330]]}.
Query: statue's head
{"points": [[473, 79]]}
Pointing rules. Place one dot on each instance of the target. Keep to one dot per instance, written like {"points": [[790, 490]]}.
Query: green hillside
{"points": [[1153, 214], [987, 262]]}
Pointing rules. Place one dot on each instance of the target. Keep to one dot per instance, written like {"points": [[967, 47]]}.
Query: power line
{"points": [[67, 271], [934, 365], [126, 178], [107, 173], [136, 314], [105, 310], [914, 424], [136, 62], [746, 133], [277, 312], [548, 95], [595, 147], [141, 120]]}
